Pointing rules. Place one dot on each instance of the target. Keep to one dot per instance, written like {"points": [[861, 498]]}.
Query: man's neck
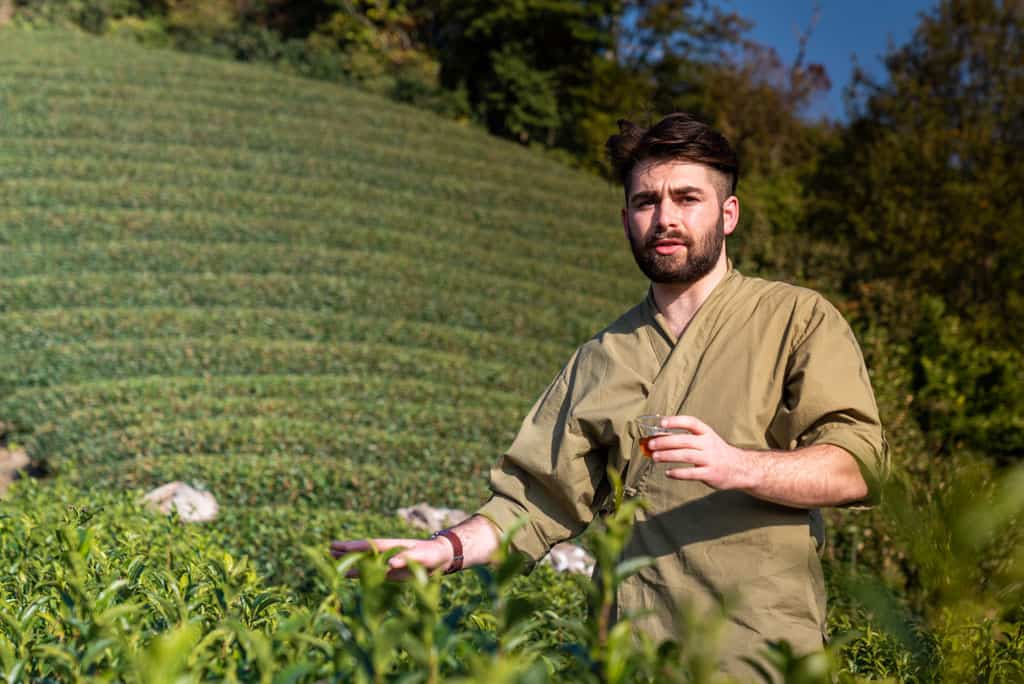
{"points": [[679, 303]]}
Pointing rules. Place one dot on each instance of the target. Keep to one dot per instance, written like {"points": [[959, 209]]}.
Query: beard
{"points": [[701, 256]]}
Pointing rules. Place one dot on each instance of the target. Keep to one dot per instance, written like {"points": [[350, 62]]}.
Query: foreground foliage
{"points": [[112, 591], [97, 587]]}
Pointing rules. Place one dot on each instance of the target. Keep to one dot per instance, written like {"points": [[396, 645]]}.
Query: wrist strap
{"points": [[456, 547]]}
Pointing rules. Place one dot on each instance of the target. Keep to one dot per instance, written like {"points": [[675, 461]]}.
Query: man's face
{"points": [[675, 221]]}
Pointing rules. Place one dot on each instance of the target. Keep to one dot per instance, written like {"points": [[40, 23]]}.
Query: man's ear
{"points": [[625, 223], [730, 214]]}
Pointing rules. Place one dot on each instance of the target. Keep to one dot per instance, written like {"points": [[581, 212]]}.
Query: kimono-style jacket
{"points": [[767, 366]]}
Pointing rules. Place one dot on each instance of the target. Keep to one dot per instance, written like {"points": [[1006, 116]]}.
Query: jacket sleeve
{"points": [[552, 474], [828, 398]]}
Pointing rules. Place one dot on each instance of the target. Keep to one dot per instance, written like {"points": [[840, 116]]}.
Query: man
{"points": [[767, 380]]}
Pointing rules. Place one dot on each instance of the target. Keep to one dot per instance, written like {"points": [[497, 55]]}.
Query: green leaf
{"points": [[632, 566], [95, 651], [16, 673], [295, 672]]}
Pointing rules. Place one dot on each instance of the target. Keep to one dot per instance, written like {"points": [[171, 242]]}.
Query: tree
{"points": [[522, 64], [924, 190], [925, 185]]}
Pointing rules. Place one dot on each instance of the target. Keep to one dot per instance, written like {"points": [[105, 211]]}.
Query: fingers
{"points": [[412, 550], [691, 456], [399, 564], [667, 442], [694, 425], [340, 548], [401, 560], [399, 570], [399, 574], [688, 474]]}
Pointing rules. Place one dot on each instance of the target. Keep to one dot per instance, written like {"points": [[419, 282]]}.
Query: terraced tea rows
{"points": [[302, 297]]}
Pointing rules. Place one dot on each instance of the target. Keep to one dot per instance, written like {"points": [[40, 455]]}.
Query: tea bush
{"points": [[98, 587], [113, 591]]}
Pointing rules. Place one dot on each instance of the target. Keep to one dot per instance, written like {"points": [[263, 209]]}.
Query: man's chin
{"points": [[675, 276], [665, 273], [677, 281]]}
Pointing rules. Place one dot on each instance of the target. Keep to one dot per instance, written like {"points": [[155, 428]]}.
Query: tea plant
{"points": [[113, 591]]}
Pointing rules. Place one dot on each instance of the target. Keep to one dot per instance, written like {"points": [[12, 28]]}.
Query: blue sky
{"points": [[845, 28]]}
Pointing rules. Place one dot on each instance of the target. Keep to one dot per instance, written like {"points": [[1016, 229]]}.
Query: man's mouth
{"points": [[667, 246]]}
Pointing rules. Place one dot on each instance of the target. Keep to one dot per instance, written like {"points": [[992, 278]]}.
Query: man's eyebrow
{"points": [[687, 190], [642, 194]]}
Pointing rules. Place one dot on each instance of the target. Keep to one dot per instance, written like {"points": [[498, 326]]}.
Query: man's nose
{"points": [[668, 215]]}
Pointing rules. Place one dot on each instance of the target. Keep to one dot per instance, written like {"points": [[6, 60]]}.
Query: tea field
{"points": [[317, 304], [293, 293]]}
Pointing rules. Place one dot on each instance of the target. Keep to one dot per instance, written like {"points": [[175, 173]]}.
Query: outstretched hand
{"points": [[432, 554], [713, 460]]}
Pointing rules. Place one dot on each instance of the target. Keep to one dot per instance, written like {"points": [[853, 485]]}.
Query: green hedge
{"points": [[343, 293], [63, 364], [36, 406]]}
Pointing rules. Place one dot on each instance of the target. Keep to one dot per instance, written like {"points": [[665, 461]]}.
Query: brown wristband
{"points": [[456, 547]]}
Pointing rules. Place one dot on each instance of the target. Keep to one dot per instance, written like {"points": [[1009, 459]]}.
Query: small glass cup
{"points": [[649, 427]]}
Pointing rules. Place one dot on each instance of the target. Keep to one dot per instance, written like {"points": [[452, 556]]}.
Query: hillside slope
{"points": [[288, 291]]}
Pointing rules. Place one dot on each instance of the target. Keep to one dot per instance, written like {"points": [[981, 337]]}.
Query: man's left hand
{"points": [[714, 461]]}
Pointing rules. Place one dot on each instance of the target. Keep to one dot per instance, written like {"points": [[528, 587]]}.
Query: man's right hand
{"points": [[432, 554], [480, 539]]}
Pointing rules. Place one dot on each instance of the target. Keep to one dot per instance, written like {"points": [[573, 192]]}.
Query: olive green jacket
{"points": [[768, 366]]}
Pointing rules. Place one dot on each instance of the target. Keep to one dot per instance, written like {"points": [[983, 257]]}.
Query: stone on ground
{"points": [[191, 505]]}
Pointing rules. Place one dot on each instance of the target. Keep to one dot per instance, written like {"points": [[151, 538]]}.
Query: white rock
{"points": [[192, 505], [430, 518], [566, 557]]}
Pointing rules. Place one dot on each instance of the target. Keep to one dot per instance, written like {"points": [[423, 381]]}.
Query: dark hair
{"points": [[678, 137]]}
